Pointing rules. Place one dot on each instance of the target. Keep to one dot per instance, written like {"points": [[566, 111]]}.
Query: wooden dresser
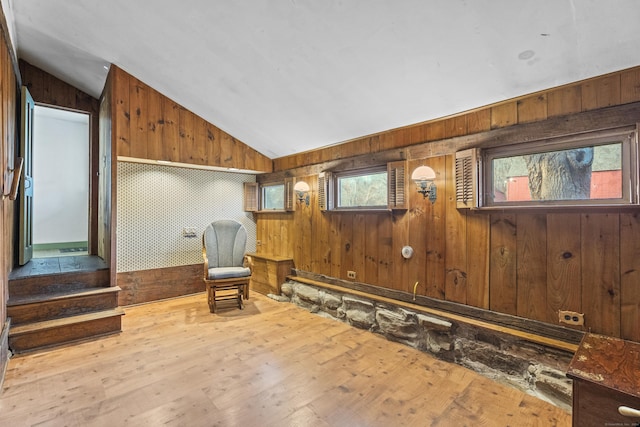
{"points": [[606, 381], [269, 272]]}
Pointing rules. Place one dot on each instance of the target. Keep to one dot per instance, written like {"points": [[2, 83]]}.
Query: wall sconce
{"points": [[302, 191], [424, 176]]}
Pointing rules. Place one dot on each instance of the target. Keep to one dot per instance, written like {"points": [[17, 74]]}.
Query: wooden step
{"points": [[42, 307], [48, 333], [58, 283]]}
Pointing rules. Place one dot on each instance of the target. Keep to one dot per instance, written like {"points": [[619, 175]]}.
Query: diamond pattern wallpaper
{"points": [[157, 204]]}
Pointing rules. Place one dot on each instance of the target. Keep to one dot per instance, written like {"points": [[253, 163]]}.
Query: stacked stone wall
{"points": [[533, 368]]}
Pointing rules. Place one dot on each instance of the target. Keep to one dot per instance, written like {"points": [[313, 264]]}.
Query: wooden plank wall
{"points": [[521, 263], [8, 134], [148, 125], [47, 89]]}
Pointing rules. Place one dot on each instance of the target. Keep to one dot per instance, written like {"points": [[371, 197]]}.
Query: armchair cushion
{"points": [[217, 273]]}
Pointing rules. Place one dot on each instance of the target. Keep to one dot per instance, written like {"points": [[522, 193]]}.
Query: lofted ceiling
{"points": [[287, 76]]}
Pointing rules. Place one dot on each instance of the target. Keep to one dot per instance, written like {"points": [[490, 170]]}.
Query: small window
{"points": [[377, 188], [269, 197], [588, 169], [272, 197], [361, 189]]}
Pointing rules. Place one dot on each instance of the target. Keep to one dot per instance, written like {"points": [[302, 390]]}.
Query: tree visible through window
{"points": [[363, 189], [592, 170]]}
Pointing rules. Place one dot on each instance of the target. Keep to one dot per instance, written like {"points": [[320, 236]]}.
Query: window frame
{"points": [[396, 188], [254, 196], [627, 137], [352, 173]]}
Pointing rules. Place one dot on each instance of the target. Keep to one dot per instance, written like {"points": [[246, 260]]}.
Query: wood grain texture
{"points": [[600, 276], [153, 127], [564, 274], [630, 276], [8, 136], [160, 283], [456, 248], [503, 267], [531, 270], [238, 367]]}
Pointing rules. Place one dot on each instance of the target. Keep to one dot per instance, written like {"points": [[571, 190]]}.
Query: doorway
{"points": [[60, 182]]}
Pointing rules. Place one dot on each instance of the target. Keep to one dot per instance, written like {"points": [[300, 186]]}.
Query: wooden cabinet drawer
{"points": [[606, 375]]}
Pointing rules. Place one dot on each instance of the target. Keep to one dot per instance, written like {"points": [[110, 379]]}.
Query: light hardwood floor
{"points": [[271, 364]]}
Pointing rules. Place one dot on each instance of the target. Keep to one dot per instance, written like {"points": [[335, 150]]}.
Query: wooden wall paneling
{"points": [[434, 131], [151, 285], [6, 243], [138, 110], [630, 86], [532, 109], [186, 124], [346, 226], [502, 267], [503, 115], [121, 123], [335, 243], [630, 276], [478, 233], [32, 79], [455, 126], [226, 150], [400, 237], [155, 124], [170, 130], [384, 251], [601, 92], [321, 248], [359, 246], [564, 274], [479, 121], [106, 137], [419, 214], [372, 244], [564, 100], [435, 224], [303, 231], [601, 273], [531, 273], [456, 239], [202, 141], [212, 148]]}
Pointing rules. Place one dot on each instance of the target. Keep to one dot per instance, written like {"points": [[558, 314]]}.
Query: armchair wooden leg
{"points": [[211, 295]]}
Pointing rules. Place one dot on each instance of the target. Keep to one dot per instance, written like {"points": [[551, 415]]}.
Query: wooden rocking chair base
{"points": [[223, 290]]}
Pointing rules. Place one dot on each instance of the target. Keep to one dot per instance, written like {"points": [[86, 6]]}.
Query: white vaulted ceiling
{"points": [[286, 76]]}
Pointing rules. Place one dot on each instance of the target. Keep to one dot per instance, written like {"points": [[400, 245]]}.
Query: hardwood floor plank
{"points": [[272, 364]]}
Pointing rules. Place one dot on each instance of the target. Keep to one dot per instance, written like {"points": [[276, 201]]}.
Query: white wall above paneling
{"points": [[156, 203]]}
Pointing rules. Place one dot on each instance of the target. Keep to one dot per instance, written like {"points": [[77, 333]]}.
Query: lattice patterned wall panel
{"points": [[156, 203]]}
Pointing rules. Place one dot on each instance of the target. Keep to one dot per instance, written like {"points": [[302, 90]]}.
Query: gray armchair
{"points": [[227, 271]]}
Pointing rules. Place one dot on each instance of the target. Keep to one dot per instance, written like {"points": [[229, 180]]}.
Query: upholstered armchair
{"points": [[227, 271]]}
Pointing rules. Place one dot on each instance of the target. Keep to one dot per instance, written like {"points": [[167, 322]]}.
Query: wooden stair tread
{"points": [[63, 321], [40, 298]]}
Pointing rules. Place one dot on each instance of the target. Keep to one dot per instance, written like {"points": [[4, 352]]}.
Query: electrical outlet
{"points": [[351, 274], [571, 317], [189, 232]]}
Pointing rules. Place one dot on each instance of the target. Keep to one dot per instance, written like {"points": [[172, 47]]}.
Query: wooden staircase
{"points": [[53, 309]]}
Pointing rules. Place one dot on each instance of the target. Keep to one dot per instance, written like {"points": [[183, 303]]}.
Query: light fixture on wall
{"points": [[302, 192], [424, 178]]}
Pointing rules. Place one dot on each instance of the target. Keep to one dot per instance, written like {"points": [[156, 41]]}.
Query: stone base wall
{"points": [[533, 368]]}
